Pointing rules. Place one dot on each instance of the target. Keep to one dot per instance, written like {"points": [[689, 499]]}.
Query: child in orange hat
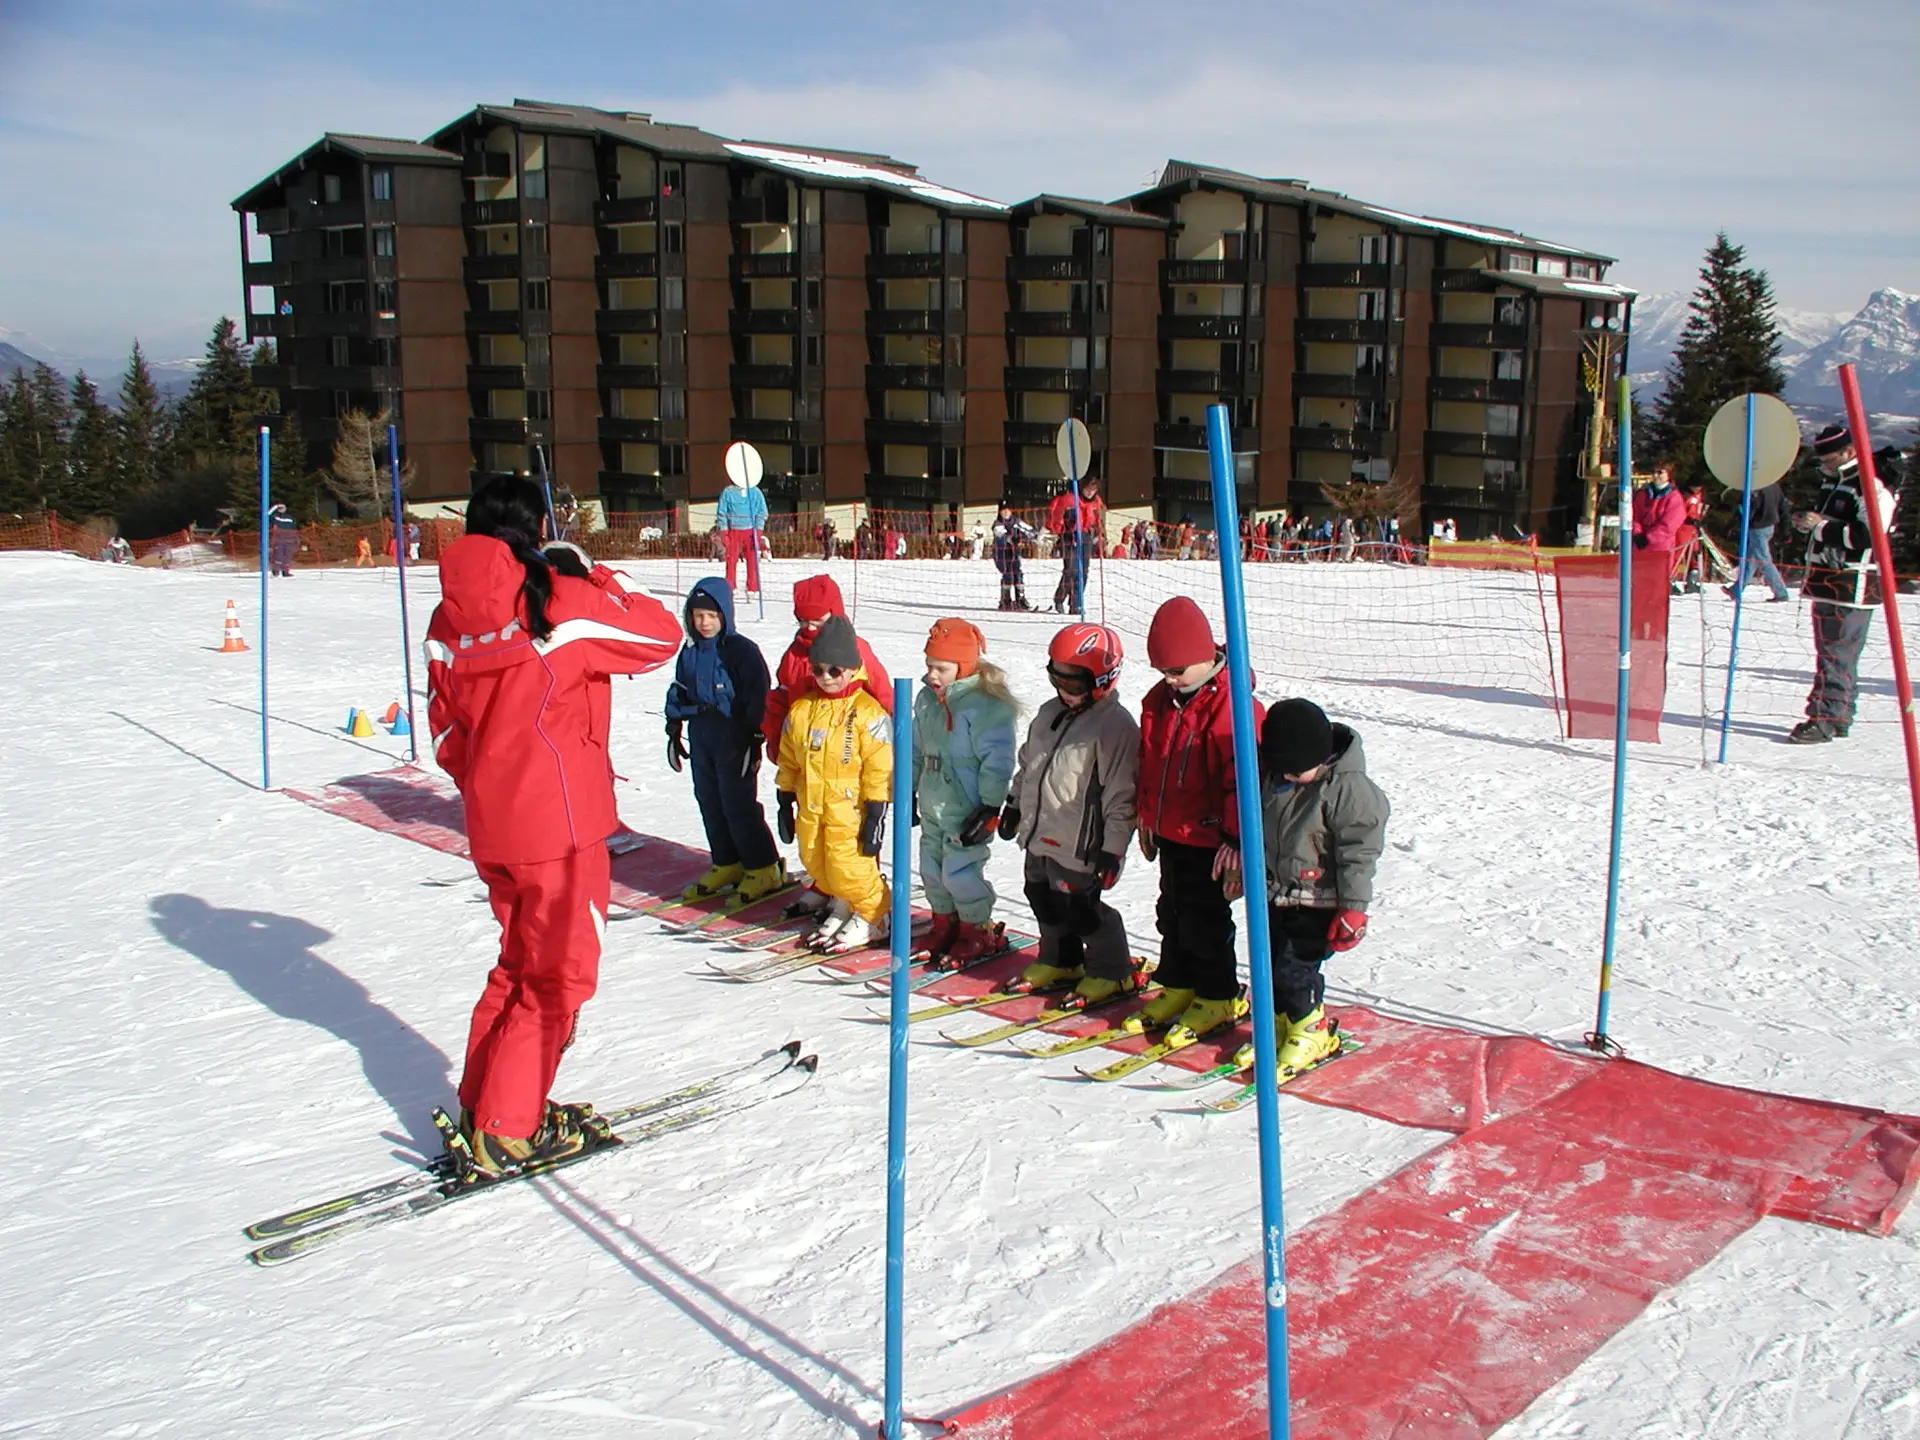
{"points": [[964, 743]]}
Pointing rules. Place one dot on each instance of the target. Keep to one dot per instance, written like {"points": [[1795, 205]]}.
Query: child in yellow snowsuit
{"points": [[833, 782]]}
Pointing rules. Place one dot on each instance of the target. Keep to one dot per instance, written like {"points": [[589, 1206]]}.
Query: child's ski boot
{"points": [[717, 881], [939, 938], [1099, 989], [1162, 1009], [758, 884], [975, 943], [1203, 1017], [837, 913], [1308, 1041]]}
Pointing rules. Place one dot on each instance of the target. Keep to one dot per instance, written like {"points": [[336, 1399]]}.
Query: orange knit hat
{"points": [[959, 641]]}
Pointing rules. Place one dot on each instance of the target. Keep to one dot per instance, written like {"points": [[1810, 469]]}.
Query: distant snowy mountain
{"points": [[13, 358], [21, 351], [1661, 315]]}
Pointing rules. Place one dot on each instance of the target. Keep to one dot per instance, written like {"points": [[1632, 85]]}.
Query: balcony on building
{"points": [[1464, 442], [1344, 275], [1050, 377], [626, 265], [909, 322], [915, 265], [640, 431], [1370, 385], [1340, 332], [488, 430], [1484, 337], [772, 265], [915, 377], [1449, 387], [763, 377], [516, 211], [267, 272], [1198, 382], [1047, 432], [496, 377], [890, 490], [1180, 435], [631, 377], [764, 322], [626, 322], [495, 322], [626, 210], [777, 431], [1342, 442], [1203, 272], [1053, 322], [1049, 267], [1202, 327], [916, 432], [477, 268]]}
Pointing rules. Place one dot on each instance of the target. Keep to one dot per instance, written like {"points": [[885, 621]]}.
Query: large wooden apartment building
{"points": [[615, 300]]}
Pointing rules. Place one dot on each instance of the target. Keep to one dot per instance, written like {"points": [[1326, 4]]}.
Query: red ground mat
{"points": [[1444, 1300]]}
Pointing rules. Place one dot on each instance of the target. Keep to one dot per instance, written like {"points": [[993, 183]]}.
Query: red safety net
{"points": [[1588, 587]]}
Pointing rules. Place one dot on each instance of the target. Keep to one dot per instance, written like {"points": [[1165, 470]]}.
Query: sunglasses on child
{"points": [[830, 672], [1070, 680]]}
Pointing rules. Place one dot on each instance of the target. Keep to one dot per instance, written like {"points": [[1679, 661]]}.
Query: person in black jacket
{"points": [[718, 698], [1841, 585], [1766, 508]]}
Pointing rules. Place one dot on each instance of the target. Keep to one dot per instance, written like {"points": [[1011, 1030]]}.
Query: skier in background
{"points": [[1010, 532], [833, 783], [283, 540], [1071, 812], [1325, 826], [518, 661], [714, 708], [1188, 821], [963, 733]]}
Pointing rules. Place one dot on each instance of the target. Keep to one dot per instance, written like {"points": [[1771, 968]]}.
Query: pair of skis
{"points": [[297, 1233]]}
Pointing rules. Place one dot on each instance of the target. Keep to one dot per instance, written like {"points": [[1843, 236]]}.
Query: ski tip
{"points": [[809, 1063], [790, 1049]]}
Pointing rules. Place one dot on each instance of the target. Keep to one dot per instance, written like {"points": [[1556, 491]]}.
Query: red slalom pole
{"points": [[1889, 592]]}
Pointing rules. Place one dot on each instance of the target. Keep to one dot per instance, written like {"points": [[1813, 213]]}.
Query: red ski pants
{"points": [[747, 543], [552, 918]]}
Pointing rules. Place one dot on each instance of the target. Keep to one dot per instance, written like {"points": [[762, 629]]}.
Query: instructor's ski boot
{"points": [[1162, 1009], [1203, 1017], [562, 1133], [757, 884], [717, 881], [1099, 989], [1306, 1042]]}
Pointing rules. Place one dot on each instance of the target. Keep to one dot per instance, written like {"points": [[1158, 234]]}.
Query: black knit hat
{"points": [[836, 644], [1832, 440], [1296, 738]]}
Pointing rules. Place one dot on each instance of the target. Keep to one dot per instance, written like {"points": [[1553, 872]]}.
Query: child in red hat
{"points": [[1189, 822], [816, 599]]}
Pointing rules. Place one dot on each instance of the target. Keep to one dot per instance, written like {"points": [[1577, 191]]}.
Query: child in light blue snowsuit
{"points": [[963, 736]]}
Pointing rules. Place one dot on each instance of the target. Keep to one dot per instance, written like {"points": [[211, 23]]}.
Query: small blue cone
{"points": [[348, 727], [400, 726]]}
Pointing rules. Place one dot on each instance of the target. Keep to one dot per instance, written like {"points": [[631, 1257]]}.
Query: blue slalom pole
{"points": [[1600, 1040], [1739, 582], [1079, 529], [546, 489], [400, 564], [266, 474], [899, 990], [1253, 867]]}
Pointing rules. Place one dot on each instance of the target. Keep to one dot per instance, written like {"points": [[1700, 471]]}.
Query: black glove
{"points": [[1010, 821], [1107, 866], [750, 762], [1639, 542], [676, 747], [978, 827], [785, 797], [873, 827]]}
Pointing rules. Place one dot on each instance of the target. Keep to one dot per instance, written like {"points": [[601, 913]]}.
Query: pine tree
{"points": [[215, 424], [294, 483], [139, 431], [90, 453], [1730, 346], [35, 419]]}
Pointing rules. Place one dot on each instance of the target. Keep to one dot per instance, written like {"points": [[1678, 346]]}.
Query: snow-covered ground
{"points": [[224, 1002]]}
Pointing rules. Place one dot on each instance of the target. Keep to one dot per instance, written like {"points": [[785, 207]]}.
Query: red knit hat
{"points": [[959, 641], [817, 597], [1179, 635]]}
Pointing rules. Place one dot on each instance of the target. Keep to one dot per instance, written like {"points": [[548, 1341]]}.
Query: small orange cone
{"points": [[393, 712], [230, 642]]}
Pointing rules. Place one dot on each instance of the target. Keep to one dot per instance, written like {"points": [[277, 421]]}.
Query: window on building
{"points": [[383, 298], [539, 404], [1369, 359], [1503, 419], [673, 403], [1371, 305], [338, 347], [1551, 265], [539, 350], [1500, 474], [1373, 249], [386, 351], [1373, 414], [816, 350], [533, 184], [1581, 270], [535, 241], [673, 459], [670, 185], [383, 242], [1510, 310], [949, 460], [806, 460], [345, 298], [330, 189], [673, 237], [1100, 300], [1101, 239], [956, 293], [673, 293], [956, 237], [342, 403], [1520, 261], [382, 182], [673, 348], [1096, 409], [1508, 365], [539, 296]]}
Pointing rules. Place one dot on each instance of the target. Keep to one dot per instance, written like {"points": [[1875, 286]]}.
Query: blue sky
{"points": [[1639, 128]]}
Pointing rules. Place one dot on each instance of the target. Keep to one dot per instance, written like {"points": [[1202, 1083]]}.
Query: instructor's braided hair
{"points": [[509, 508]]}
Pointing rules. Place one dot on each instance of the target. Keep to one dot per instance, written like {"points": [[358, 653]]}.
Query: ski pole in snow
{"points": [[1883, 557], [266, 475], [1599, 1039], [1253, 866], [898, 992], [400, 566]]}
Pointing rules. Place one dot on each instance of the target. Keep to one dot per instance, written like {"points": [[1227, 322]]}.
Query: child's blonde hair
{"points": [[993, 681]]}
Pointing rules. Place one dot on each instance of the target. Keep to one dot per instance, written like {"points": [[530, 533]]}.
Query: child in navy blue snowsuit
{"points": [[714, 708]]}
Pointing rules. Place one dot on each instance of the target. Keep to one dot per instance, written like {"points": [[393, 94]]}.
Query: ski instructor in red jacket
{"points": [[518, 667]]}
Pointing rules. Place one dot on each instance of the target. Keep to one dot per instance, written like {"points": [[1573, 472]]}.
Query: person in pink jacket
{"points": [[1659, 511]]}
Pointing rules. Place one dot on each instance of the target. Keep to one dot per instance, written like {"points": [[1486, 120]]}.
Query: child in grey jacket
{"points": [[1325, 824]]}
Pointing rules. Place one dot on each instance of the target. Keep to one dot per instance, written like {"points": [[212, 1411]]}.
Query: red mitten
{"points": [[1348, 929]]}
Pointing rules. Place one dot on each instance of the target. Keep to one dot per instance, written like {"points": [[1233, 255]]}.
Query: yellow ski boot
{"points": [[1203, 1017], [1043, 976], [1162, 1009], [716, 881], [1098, 989], [757, 885], [1306, 1042]]}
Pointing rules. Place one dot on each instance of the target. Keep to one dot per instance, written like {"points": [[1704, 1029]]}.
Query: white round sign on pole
{"points": [[1074, 447], [744, 465], [1776, 441]]}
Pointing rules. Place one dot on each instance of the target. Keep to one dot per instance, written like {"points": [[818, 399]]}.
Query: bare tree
{"points": [[357, 476]]}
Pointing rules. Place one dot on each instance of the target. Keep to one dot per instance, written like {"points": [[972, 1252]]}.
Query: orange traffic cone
{"points": [[230, 642], [393, 712]]}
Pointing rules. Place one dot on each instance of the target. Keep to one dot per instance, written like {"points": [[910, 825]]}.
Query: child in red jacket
{"points": [[814, 600], [1189, 820], [518, 660]]}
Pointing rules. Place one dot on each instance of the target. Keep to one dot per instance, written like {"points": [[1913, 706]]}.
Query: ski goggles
{"points": [[1070, 679]]}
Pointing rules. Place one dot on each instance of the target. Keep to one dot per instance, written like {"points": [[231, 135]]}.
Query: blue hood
{"points": [[718, 596]]}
